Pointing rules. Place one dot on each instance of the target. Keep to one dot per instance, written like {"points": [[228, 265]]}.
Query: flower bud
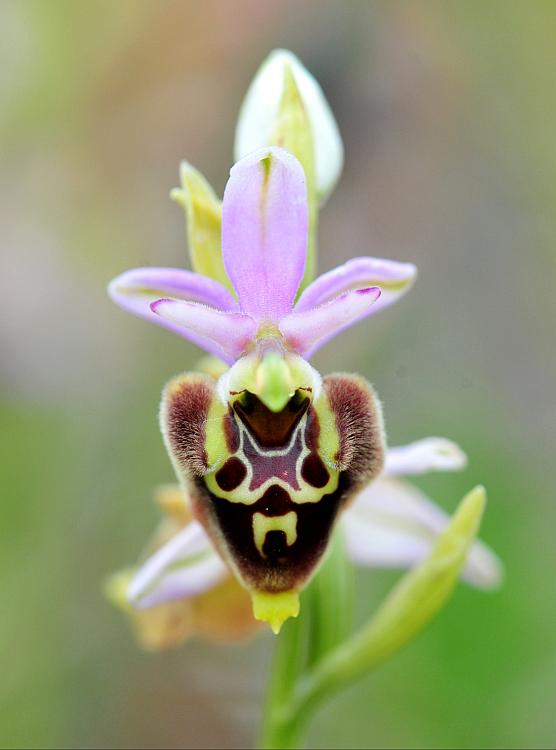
{"points": [[264, 105]]}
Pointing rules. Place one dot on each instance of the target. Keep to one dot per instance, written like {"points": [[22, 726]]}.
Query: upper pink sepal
{"points": [[264, 232]]}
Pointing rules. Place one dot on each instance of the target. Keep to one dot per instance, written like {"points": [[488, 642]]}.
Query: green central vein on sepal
{"points": [[385, 285]]}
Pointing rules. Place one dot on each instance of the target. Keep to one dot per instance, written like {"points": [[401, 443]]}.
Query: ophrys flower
{"points": [[271, 453]]}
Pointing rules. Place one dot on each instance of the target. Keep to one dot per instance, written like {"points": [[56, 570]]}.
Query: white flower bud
{"points": [[259, 111]]}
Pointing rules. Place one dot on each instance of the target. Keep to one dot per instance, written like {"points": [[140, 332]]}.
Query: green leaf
{"points": [[415, 600], [286, 670]]}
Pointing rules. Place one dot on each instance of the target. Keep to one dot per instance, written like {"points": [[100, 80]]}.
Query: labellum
{"points": [[268, 470]]}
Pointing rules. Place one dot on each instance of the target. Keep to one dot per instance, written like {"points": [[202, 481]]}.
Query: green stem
{"points": [[331, 603], [415, 600], [278, 729], [409, 607]]}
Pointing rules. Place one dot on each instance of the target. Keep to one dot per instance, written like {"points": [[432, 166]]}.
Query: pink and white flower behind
{"points": [[390, 524]]}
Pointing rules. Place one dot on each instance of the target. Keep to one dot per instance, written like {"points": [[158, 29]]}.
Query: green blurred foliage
{"points": [[447, 112]]}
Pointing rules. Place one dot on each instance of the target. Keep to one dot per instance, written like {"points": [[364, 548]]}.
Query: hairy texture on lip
{"points": [[183, 416], [360, 426], [268, 487]]}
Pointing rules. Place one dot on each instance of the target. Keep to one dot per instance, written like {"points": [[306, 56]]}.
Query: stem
{"points": [[413, 602], [326, 620], [279, 727], [331, 600], [409, 607]]}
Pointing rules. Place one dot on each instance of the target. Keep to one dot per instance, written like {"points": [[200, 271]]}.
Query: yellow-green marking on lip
{"points": [[274, 381], [262, 524], [275, 608]]}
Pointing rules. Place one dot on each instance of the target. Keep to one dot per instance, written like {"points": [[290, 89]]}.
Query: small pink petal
{"points": [[229, 333], [136, 290], [393, 278], [306, 331]]}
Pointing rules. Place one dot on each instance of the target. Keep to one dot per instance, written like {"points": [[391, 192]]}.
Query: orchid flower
{"points": [[272, 452], [184, 588], [264, 247], [274, 461]]}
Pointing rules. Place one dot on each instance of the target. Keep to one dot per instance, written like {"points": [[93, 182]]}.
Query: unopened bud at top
{"points": [[261, 109]]}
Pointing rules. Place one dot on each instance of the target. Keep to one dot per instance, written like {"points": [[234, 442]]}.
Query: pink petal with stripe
{"points": [[264, 232], [306, 331], [393, 278], [226, 333], [137, 289]]}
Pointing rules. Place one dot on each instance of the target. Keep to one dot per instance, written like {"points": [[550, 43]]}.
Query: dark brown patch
{"points": [[231, 475], [185, 406], [359, 423], [285, 567], [271, 429], [231, 432], [314, 472], [312, 431], [275, 547], [275, 501]]}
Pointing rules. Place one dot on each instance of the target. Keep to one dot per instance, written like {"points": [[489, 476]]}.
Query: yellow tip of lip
{"points": [[275, 609]]}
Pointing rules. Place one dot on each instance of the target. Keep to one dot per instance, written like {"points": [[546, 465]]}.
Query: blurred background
{"points": [[447, 111]]}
